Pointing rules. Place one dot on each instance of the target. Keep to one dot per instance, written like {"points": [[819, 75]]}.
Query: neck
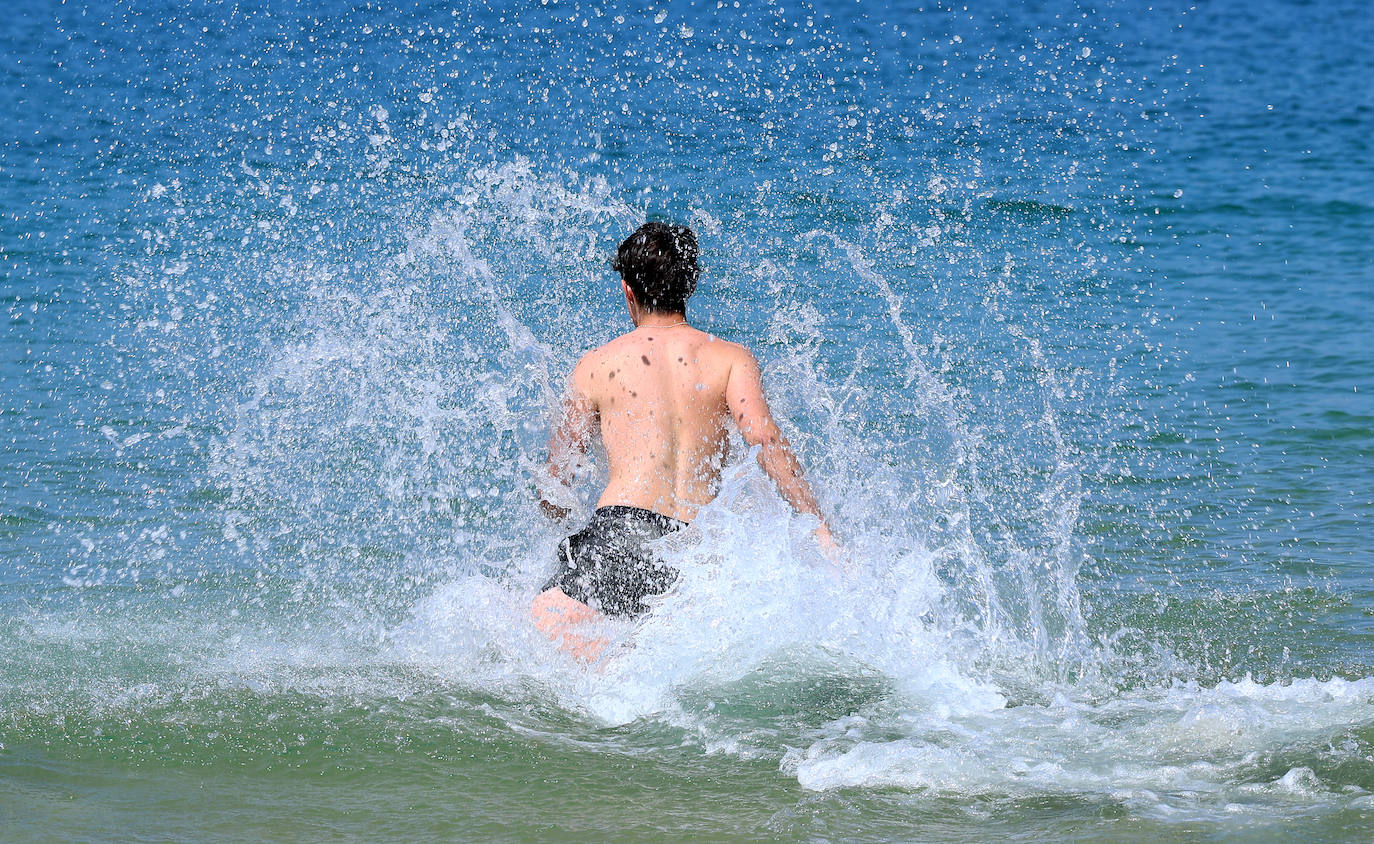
{"points": [[655, 319]]}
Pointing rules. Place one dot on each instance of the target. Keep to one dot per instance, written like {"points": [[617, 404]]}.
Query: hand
{"points": [[554, 512], [829, 546]]}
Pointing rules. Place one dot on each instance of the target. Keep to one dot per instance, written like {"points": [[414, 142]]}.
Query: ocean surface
{"points": [[1066, 308]]}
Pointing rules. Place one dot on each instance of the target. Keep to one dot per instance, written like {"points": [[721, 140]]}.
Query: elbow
{"points": [[766, 435], [770, 446], [771, 437]]}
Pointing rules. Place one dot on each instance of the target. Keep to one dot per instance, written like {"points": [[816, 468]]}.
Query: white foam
{"points": [[1183, 740]]}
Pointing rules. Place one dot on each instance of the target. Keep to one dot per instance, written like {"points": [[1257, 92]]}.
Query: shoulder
{"points": [[592, 366], [709, 344], [732, 354], [732, 363], [586, 367]]}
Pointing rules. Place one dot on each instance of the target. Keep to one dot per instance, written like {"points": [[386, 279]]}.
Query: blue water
{"points": [[1064, 308]]}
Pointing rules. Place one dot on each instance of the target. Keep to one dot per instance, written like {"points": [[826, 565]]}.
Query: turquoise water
{"points": [[1064, 308]]}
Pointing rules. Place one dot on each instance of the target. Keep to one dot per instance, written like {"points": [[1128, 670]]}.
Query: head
{"points": [[658, 267]]}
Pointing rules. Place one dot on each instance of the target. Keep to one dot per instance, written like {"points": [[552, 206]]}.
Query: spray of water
{"points": [[364, 355]]}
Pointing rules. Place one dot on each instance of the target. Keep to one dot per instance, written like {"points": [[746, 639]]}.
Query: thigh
{"points": [[553, 609]]}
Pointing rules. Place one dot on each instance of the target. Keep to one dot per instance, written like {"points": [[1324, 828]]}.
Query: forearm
{"points": [[781, 465], [749, 409], [567, 448], [556, 497]]}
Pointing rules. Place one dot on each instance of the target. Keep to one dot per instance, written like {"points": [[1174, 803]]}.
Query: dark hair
{"points": [[659, 263]]}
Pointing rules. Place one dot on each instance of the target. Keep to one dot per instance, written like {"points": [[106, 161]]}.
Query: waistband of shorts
{"points": [[626, 511]]}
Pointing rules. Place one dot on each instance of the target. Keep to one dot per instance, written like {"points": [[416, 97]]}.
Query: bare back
{"points": [[661, 396], [664, 397]]}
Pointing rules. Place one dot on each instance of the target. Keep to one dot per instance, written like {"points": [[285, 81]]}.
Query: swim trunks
{"points": [[608, 566]]}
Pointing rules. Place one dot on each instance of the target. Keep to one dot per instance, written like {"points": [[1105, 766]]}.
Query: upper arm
{"points": [[744, 396]]}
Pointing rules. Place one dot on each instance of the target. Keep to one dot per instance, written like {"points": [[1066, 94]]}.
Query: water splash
{"points": [[319, 392]]}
